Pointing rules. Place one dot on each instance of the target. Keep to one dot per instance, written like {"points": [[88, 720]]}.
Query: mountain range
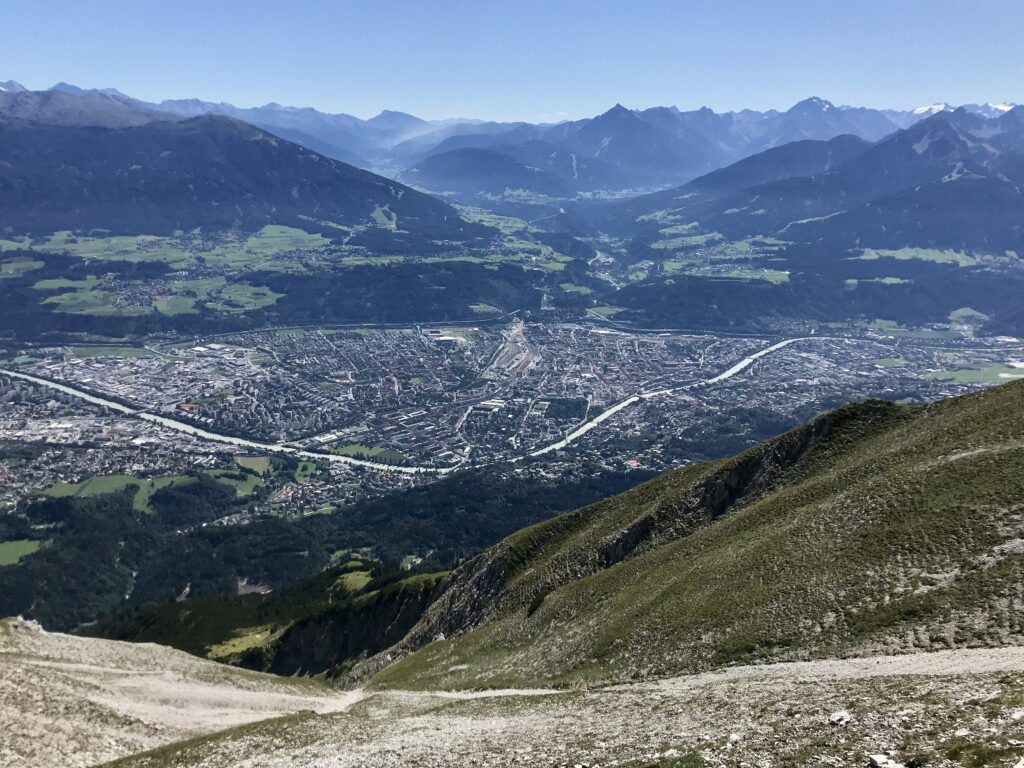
{"points": [[953, 167], [163, 176], [630, 149], [911, 226], [927, 217]]}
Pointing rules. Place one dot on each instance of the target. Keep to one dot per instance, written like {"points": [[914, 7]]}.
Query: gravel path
{"points": [[68, 701]]}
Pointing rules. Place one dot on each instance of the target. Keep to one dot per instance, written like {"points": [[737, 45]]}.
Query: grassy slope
{"points": [[876, 527]]}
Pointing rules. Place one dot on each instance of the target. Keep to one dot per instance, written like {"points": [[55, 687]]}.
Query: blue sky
{"points": [[523, 59]]}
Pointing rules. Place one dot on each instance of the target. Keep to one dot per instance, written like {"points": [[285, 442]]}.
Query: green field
{"points": [[385, 217], [181, 251], [895, 329], [91, 298], [376, 261], [121, 248], [966, 316], [243, 488], [604, 312], [91, 302], [242, 298], [482, 308], [59, 282], [517, 247], [176, 305], [686, 241], [354, 581], [365, 452], [925, 254], [94, 486], [679, 229], [891, 362], [771, 275], [306, 470], [994, 373], [87, 297], [259, 464], [241, 640], [20, 244], [16, 267], [573, 288], [665, 216], [507, 225], [854, 282], [274, 239], [745, 273], [12, 551]]}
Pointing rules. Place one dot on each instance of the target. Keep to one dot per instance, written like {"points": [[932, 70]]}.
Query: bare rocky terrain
{"points": [[953, 708], [69, 701]]}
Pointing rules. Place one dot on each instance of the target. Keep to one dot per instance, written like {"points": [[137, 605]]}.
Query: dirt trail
{"points": [[72, 701], [971, 661]]}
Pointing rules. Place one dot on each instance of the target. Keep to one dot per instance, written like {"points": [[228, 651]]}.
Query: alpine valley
{"points": [[662, 437]]}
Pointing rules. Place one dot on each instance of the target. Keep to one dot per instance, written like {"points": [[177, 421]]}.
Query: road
{"points": [[379, 466]]}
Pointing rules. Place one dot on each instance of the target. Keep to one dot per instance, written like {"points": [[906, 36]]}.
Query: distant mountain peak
{"points": [[386, 114], [394, 115], [12, 86], [618, 109], [63, 87], [933, 109], [67, 88], [812, 104], [394, 121]]}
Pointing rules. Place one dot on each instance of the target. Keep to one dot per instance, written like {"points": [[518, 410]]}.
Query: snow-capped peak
{"points": [[933, 109]]}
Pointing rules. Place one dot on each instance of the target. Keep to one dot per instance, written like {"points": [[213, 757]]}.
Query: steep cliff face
{"points": [[335, 638], [343, 614], [874, 528]]}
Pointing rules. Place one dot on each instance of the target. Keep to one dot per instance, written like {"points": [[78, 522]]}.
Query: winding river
{"points": [[380, 466]]}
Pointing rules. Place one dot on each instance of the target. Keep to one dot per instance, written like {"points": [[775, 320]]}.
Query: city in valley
{"points": [[305, 420]]}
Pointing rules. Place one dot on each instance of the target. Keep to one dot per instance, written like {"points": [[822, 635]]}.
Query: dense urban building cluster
{"points": [[440, 398]]}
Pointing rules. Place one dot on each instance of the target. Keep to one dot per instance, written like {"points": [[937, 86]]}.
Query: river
{"points": [[380, 466]]}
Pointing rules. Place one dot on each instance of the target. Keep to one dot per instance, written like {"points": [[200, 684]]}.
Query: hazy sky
{"points": [[523, 59]]}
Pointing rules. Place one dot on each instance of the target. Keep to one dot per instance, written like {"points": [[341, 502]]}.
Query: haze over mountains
{"points": [[162, 176], [621, 149], [849, 215], [849, 192]]}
